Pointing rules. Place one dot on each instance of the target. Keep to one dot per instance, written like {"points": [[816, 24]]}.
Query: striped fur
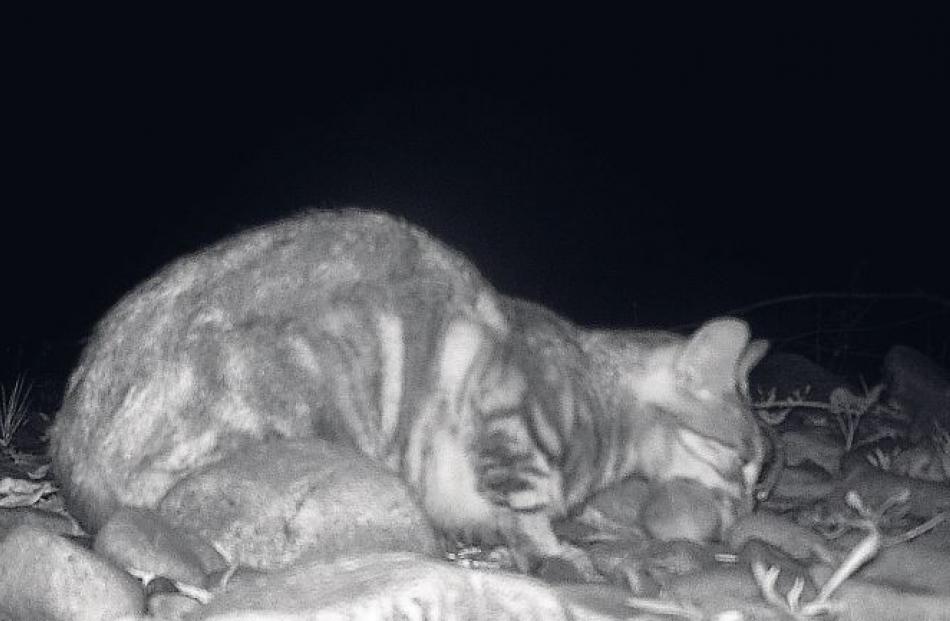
{"points": [[360, 328]]}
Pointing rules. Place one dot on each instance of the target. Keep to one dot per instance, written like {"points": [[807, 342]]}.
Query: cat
{"points": [[358, 327]]}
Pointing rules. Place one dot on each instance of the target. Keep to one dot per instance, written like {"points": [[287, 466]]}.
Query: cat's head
{"points": [[696, 391]]}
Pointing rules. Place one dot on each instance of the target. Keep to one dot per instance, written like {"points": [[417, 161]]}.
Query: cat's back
{"points": [[304, 258], [282, 273], [287, 269], [262, 333]]}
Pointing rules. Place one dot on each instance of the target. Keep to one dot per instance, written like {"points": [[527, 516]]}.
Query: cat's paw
{"points": [[570, 565]]}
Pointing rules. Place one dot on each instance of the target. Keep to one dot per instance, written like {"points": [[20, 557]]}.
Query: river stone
{"points": [[45, 576], [723, 592], [12, 517], [681, 509], [172, 606], [788, 373], [622, 502], [920, 386], [384, 586], [143, 540], [277, 502], [911, 565]]}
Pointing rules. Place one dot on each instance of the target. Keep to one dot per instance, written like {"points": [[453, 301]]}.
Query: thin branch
{"points": [[870, 329], [837, 295], [828, 295]]}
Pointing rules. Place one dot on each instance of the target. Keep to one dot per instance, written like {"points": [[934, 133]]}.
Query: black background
{"points": [[622, 169]]}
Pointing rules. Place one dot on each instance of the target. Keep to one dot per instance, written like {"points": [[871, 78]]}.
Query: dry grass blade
{"points": [[666, 608], [14, 409]]}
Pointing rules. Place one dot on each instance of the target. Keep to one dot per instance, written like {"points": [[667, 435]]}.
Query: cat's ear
{"points": [[712, 355], [752, 355]]}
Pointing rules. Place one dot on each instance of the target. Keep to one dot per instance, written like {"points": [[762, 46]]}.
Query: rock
{"points": [[790, 569], [937, 538], [675, 509], [678, 557], [928, 461], [876, 486], [45, 576], [793, 539], [790, 373], [720, 589], [624, 563], [559, 570], [12, 517], [911, 566], [621, 502], [919, 386], [171, 606], [595, 601], [159, 585], [386, 586], [813, 446], [682, 509], [645, 568], [859, 599], [143, 540], [800, 486], [279, 502]]}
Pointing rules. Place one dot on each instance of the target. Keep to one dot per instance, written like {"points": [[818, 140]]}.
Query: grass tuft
{"points": [[14, 409]]}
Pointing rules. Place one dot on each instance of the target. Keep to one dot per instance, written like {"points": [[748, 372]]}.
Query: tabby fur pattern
{"points": [[360, 328]]}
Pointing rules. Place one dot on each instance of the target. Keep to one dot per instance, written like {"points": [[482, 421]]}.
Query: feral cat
{"points": [[360, 328]]}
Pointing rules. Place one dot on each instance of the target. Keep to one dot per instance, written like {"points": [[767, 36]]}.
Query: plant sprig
{"points": [[14, 409]]}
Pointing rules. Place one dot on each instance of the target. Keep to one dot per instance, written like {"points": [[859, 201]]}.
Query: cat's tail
{"points": [[85, 488]]}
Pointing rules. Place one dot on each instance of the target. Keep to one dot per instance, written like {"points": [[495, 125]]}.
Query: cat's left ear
{"points": [[716, 353]]}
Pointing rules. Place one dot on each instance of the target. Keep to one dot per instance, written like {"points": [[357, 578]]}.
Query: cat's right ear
{"points": [[752, 355]]}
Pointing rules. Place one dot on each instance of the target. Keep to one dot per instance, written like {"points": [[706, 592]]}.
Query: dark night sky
{"points": [[622, 171]]}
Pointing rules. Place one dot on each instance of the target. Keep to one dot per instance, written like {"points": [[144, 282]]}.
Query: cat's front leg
{"points": [[518, 472], [526, 493], [534, 546]]}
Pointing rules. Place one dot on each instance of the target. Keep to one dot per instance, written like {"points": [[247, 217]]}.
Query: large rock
{"points": [[622, 502], [791, 538], [46, 576], [913, 566], [404, 586], [791, 375], [675, 509], [140, 539], [722, 590], [279, 502], [920, 386], [895, 594], [682, 509], [859, 600], [788, 373], [12, 517]]}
